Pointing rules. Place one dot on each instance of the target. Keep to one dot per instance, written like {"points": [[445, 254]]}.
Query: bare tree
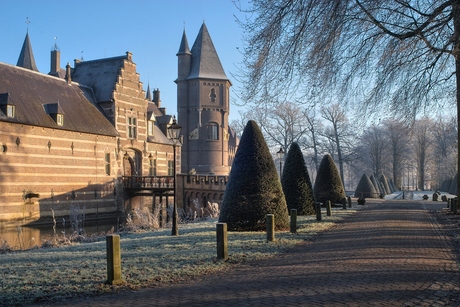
{"points": [[372, 148], [397, 141], [444, 145], [281, 125], [421, 141], [400, 55], [314, 127], [337, 134]]}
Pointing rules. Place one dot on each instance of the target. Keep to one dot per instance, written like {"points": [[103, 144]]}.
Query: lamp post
{"points": [[280, 155], [174, 134]]}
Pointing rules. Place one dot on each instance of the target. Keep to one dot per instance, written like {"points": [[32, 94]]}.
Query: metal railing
{"points": [[148, 182]]}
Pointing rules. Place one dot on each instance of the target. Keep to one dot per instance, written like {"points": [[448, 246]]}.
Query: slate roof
{"points": [[26, 57], [30, 91], [101, 75], [205, 61], [183, 48]]}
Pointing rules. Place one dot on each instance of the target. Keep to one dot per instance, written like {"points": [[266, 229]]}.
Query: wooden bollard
{"points": [[328, 208], [293, 220], [349, 201], [270, 227], [222, 243], [344, 203], [455, 205], [113, 260], [448, 203], [318, 211]]}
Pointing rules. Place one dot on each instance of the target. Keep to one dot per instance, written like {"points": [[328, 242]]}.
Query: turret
{"points": [[184, 58], [26, 58]]}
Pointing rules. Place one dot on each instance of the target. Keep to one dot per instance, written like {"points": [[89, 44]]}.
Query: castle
{"points": [[90, 136]]}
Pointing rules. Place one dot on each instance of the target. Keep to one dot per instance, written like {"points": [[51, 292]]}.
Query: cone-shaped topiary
{"points": [[366, 188], [296, 183], [453, 185], [328, 185], [384, 182], [254, 189], [375, 183]]}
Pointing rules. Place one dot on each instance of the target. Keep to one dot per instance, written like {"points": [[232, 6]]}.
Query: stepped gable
{"points": [[26, 57], [101, 75], [205, 61], [31, 93]]}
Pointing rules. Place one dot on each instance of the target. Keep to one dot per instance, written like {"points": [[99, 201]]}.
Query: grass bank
{"points": [[148, 259]]}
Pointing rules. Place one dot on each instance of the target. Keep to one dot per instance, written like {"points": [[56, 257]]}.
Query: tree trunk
{"points": [[456, 17]]}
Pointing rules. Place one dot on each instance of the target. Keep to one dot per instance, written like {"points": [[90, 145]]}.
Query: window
{"points": [[150, 127], [212, 131], [60, 119], [170, 168], [132, 128], [107, 164], [10, 110], [153, 167]]}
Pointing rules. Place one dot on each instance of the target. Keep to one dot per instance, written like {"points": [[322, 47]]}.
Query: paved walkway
{"points": [[390, 254]]}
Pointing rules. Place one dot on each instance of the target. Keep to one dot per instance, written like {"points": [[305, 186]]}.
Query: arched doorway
{"points": [[132, 163]]}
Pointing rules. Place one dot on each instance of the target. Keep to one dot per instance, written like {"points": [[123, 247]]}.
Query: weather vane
{"points": [[27, 22]]}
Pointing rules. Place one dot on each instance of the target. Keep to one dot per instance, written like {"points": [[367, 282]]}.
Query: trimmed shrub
{"points": [[254, 189], [376, 184], [328, 185], [385, 186], [296, 183], [446, 185], [365, 188], [453, 186]]}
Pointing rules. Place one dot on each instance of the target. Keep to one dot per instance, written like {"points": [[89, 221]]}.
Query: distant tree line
{"points": [[414, 155]]}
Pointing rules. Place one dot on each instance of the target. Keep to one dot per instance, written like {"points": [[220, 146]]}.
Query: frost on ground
{"points": [[148, 259]]}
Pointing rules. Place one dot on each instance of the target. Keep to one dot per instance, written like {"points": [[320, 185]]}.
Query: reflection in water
{"points": [[23, 237]]}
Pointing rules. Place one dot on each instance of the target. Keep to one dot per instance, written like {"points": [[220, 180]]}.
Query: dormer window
{"points": [[60, 119], [55, 111], [150, 124], [6, 106], [150, 127], [10, 110]]}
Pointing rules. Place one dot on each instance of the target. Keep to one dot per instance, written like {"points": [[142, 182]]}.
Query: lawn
{"points": [[148, 259]]}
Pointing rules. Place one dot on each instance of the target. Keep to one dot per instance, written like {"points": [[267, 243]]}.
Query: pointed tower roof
{"points": [[205, 61], [148, 96], [184, 49], [26, 58]]}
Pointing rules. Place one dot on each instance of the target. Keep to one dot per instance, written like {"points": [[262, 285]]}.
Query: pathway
{"points": [[390, 254]]}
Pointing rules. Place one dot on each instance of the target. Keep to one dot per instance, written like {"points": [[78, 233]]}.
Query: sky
{"points": [[150, 29]]}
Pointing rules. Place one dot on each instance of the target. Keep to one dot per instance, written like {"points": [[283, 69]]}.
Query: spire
{"points": [[183, 49], [148, 96], [26, 58], [205, 61]]}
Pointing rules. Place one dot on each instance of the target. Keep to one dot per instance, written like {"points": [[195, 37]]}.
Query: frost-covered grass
{"points": [[148, 259]]}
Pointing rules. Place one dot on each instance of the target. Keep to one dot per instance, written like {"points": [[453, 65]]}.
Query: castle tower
{"points": [[203, 107]]}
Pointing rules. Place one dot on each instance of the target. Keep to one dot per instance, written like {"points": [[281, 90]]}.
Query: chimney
{"points": [[68, 71], [55, 62], [156, 97]]}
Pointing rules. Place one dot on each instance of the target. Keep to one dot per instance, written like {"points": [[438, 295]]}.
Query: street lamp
{"points": [[174, 134], [280, 155]]}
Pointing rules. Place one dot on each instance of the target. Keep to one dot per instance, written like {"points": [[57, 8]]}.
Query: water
{"points": [[24, 237]]}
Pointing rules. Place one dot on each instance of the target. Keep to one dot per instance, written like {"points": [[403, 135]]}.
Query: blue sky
{"points": [[150, 29]]}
